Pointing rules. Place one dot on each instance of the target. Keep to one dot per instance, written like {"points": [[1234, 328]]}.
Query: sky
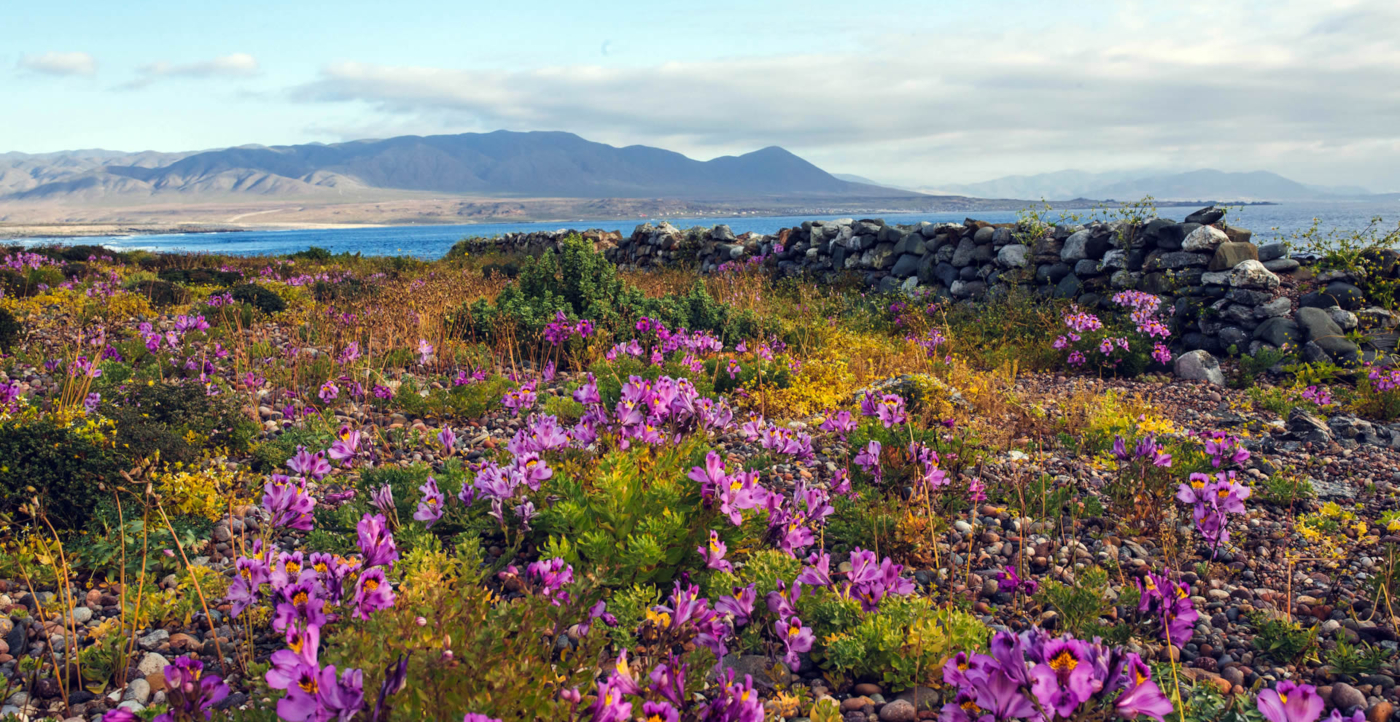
{"points": [[918, 94]]}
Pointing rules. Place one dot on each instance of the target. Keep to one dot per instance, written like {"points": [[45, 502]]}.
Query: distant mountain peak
{"points": [[505, 163]]}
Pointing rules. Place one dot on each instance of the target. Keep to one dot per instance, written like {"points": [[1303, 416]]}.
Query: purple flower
{"points": [[840, 423], [735, 702], [303, 644], [610, 705], [430, 507], [475, 717], [869, 460], [714, 554], [660, 712], [346, 444], [711, 477], [818, 570], [551, 575], [372, 593], [1065, 679], [998, 695], [1142, 696], [288, 504], [1290, 702], [891, 410], [796, 638], [308, 464], [376, 543], [740, 606], [190, 693], [1009, 581], [447, 439]]}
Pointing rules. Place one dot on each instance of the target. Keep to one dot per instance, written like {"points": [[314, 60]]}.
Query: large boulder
{"points": [[1253, 274], [1076, 247], [1183, 259], [1273, 251], [1206, 216], [1204, 240], [906, 266], [1014, 256], [1231, 254], [1278, 331], [963, 255], [1199, 366], [1321, 330]]}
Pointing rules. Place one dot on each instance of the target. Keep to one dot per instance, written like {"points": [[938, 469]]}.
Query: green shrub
{"points": [[16, 284], [160, 417], [160, 293], [271, 456], [9, 331], [633, 520], [505, 663], [59, 466], [200, 276], [580, 282], [903, 644], [259, 297], [1081, 606], [314, 253], [1282, 640]]}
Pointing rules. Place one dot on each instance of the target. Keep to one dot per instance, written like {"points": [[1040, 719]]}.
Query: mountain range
{"points": [[502, 163], [1129, 185]]}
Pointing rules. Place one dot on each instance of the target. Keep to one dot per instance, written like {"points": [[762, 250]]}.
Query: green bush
{"points": [[45, 276], [200, 276], [636, 519], [161, 293], [16, 284], [903, 644], [159, 417], [314, 253], [580, 282], [271, 457], [9, 331], [263, 299], [62, 468]]}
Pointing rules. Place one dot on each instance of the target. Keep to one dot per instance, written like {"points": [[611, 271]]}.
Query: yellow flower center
{"points": [[972, 708], [1064, 662], [292, 568], [371, 584], [308, 685], [321, 567], [299, 598]]}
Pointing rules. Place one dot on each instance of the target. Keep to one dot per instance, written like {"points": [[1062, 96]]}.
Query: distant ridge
{"points": [[1162, 185], [502, 163]]}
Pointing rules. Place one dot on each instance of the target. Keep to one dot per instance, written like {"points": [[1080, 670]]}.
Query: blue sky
{"points": [[916, 93]]}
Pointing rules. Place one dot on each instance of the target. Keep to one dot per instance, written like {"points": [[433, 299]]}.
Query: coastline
{"points": [[38, 231]]}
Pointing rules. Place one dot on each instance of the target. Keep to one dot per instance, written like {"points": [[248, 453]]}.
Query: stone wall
{"points": [[1222, 291]]}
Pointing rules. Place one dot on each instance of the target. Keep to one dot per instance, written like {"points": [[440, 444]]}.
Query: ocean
{"points": [[432, 241]]}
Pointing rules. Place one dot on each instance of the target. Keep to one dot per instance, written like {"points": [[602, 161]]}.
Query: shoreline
{"points": [[31, 231], [66, 231]]}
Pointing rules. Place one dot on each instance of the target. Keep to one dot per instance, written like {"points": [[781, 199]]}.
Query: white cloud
{"points": [[234, 65], [55, 63], [1295, 87]]}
